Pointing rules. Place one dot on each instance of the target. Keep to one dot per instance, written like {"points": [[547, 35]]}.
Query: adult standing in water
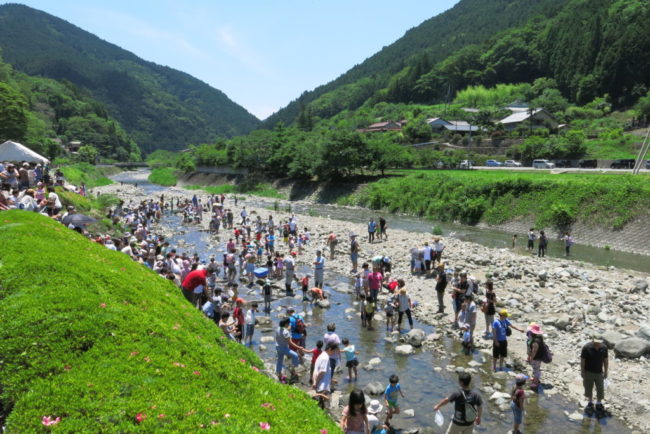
{"points": [[594, 364], [500, 332], [319, 269], [282, 337], [289, 267], [372, 228], [568, 242], [468, 407], [543, 242]]}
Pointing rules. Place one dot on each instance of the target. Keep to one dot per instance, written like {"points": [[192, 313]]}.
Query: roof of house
{"points": [[461, 126], [432, 120], [520, 116]]}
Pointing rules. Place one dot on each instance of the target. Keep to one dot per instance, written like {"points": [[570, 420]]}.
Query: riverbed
{"points": [[426, 376]]}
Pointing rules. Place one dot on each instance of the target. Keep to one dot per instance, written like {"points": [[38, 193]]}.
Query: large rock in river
{"points": [[415, 337], [632, 347], [404, 350], [374, 388], [644, 331]]}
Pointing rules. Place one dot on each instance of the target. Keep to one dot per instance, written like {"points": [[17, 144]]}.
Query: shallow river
{"points": [[421, 385]]}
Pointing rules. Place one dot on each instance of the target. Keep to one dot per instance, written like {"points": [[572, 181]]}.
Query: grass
{"points": [[261, 189], [165, 176], [94, 338], [92, 176], [606, 200]]}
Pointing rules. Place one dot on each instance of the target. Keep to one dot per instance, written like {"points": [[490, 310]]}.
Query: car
{"points": [[622, 164], [588, 164], [511, 163], [465, 164], [647, 164], [543, 164], [493, 163]]}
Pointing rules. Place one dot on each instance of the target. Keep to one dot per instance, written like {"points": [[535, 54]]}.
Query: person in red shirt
{"points": [[375, 280], [314, 355], [192, 281], [304, 282]]}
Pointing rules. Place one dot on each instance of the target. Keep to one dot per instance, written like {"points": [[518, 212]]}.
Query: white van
{"points": [[543, 164]]}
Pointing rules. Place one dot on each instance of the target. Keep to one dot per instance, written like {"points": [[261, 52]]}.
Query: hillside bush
{"points": [[100, 341]]}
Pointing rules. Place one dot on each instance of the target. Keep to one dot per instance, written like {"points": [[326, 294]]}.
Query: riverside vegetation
{"points": [[105, 344]]}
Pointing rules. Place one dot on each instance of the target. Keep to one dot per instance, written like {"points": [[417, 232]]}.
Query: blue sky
{"points": [[261, 53]]}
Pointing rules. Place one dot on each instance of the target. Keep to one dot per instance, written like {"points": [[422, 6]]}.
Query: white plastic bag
{"points": [[440, 419]]}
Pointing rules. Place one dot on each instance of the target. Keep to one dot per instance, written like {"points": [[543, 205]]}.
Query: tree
{"points": [[88, 154], [642, 107], [13, 114], [342, 154]]}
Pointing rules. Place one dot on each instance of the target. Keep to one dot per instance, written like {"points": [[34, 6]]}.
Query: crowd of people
{"points": [[264, 253]]}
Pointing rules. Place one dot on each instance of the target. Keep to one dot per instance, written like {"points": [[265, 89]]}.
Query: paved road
{"points": [[560, 170]]}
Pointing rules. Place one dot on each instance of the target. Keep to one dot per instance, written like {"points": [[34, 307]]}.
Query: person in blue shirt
{"points": [[372, 228], [296, 336], [500, 334], [390, 396]]}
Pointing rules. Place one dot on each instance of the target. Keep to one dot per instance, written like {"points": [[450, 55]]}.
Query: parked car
{"points": [[543, 164], [511, 163], [465, 164], [493, 163], [622, 164], [588, 164], [563, 163], [647, 164]]}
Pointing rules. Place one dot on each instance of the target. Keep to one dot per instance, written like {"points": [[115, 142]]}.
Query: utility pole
{"points": [[640, 159]]}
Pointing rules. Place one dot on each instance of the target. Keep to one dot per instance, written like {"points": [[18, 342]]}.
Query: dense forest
{"points": [[160, 108], [44, 114], [589, 47]]}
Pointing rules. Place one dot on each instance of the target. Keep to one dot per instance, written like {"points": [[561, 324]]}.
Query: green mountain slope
{"points": [[161, 108], [590, 47], [36, 111], [95, 339], [469, 22]]}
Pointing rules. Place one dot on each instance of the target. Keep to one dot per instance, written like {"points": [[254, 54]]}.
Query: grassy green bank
{"points": [[92, 176], [165, 176], [262, 190], [604, 200], [95, 339]]}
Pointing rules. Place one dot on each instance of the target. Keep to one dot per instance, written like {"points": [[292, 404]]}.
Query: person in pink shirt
{"points": [[375, 280]]}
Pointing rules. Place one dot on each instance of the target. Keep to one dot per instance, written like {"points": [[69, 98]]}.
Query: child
{"points": [[370, 311], [315, 352], [267, 291], [351, 359], [518, 403], [227, 326], [355, 414], [362, 308], [358, 284], [467, 339], [389, 310], [250, 323], [304, 283], [240, 320], [391, 396]]}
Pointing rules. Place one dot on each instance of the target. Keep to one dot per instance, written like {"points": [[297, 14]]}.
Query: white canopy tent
{"points": [[12, 151]]}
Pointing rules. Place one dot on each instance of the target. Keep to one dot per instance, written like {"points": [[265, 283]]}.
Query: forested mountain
{"points": [[43, 113], [590, 48], [161, 108]]}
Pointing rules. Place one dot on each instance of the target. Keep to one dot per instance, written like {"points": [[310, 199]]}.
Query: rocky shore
{"points": [[569, 299]]}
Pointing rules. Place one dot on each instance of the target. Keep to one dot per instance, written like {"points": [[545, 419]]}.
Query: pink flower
{"points": [[265, 426], [102, 305], [49, 421], [140, 417], [268, 405], [196, 373], [255, 368], [147, 359], [242, 360], [323, 431], [161, 416]]}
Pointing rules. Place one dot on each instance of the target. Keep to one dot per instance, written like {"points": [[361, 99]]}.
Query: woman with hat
{"points": [[501, 330], [374, 409], [536, 349], [403, 305]]}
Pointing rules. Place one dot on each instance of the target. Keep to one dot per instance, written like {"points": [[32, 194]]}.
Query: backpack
{"points": [[468, 412], [300, 326], [548, 354]]}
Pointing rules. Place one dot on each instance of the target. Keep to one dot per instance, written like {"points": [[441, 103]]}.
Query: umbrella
{"points": [[77, 220]]}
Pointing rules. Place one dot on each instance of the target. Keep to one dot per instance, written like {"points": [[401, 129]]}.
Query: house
{"points": [[537, 118], [74, 146], [460, 127], [383, 126]]}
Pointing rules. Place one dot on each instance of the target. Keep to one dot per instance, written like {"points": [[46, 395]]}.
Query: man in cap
{"points": [[594, 364], [354, 252], [500, 334]]}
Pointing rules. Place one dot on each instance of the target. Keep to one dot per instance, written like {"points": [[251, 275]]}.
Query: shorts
{"points": [[352, 363], [392, 404], [517, 413], [501, 350], [250, 328], [354, 257], [250, 268]]}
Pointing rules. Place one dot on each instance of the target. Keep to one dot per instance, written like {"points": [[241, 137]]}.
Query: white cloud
{"points": [[228, 40]]}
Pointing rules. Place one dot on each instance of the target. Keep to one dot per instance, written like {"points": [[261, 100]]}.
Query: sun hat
{"points": [[597, 338], [375, 407], [535, 329], [521, 378], [504, 312]]}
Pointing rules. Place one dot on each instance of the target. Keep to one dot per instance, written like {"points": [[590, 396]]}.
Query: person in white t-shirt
{"points": [[250, 323], [427, 256], [322, 372]]}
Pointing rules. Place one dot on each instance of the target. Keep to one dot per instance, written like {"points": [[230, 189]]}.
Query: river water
{"points": [[425, 377]]}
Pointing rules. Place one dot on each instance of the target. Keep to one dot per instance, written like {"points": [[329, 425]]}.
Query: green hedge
{"points": [[92, 176], [163, 176], [471, 197], [95, 339]]}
